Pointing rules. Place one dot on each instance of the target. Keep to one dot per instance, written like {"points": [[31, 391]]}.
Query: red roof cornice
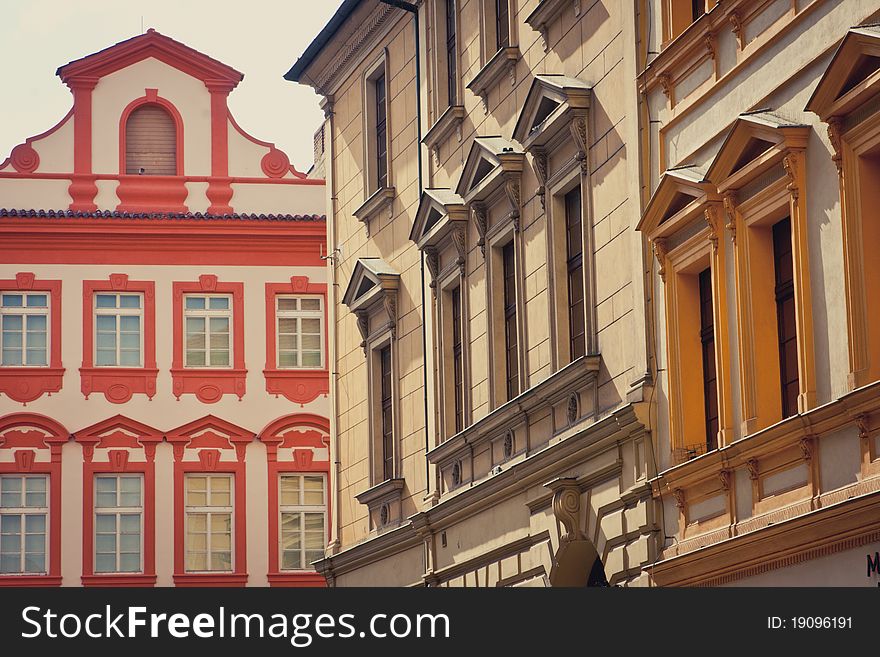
{"points": [[150, 44]]}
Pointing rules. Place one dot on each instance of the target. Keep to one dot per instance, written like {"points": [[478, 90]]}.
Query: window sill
{"points": [[25, 384], [30, 580], [305, 579], [450, 121], [208, 384], [118, 580], [210, 579], [381, 199], [502, 63], [383, 502], [298, 385], [118, 384]]}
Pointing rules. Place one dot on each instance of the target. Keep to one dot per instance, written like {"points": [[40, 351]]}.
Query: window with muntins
{"points": [[457, 364], [303, 520], [118, 523], [299, 323], [785, 317], [451, 56], [207, 321], [502, 23], [381, 133], [150, 142], [510, 327], [118, 330], [209, 523], [24, 320], [387, 413], [707, 342], [24, 519], [575, 267]]}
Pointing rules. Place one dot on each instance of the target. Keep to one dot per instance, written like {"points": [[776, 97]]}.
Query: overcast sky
{"points": [[260, 38]]}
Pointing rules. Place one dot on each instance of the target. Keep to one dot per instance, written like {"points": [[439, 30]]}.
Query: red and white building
{"points": [[163, 380]]}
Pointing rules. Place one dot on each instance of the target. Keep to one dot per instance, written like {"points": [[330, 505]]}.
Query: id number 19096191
{"points": [[810, 623]]}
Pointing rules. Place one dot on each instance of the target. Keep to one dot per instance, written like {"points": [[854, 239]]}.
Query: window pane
{"points": [[12, 300], [105, 523], [36, 323], [312, 556], [221, 541], [37, 301], [34, 542], [12, 340], [219, 358], [195, 358], [288, 359], [287, 342], [130, 563], [12, 323], [130, 301], [106, 341], [130, 543], [10, 543], [11, 497], [196, 561], [290, 560], [219, 303], [9, 563], [130, 341], [221, 561], [130, 358], [36, 357], [198, 542], [290, 490], [286, 303], [34, 563], [105, 301], [196, 498], [35, 484], [106, 485], [219, 341], [105, 563], [311, 304], [311, 342], [195, 340], [195, 303], [311, 325], [35, 523], [35, 498], [287, 325], [314, 523], [130, 523], [219, 324], [130, 323], [197, 522], [195, 325], [11, 357], [290, 523], [311, 359]]}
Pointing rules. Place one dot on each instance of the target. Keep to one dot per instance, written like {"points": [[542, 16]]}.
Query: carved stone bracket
{"points": [[709, 41], [432, 259], [479, 212], [363, 324], [459, 240], [511, 188], [567, 509], [737, 28], [730, 209], [660, 253], [578, 128], [678, 495], [539, 157], [390, 303], [790, 164], [724, 476], [711, 214], [752, 465], [666, 84], [834, 130], [864, 431], [807, 444]]}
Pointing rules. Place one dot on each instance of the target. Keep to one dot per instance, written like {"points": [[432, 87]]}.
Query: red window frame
{"points": [[214, 436], [302, 432], [299, 385], [118, 384], [26, 384], [26, 442], [208, 384], [118, 442]]}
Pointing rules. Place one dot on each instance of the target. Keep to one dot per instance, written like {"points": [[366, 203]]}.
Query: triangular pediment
{"points": [[680, 195], [488, 156], [549, 97], [155, 45], [210, 424], [756, 141], [852, 76], [369, 274], [121, 425], [435, 206]]}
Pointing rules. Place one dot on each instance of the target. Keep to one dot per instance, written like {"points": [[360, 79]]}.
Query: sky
{"points": [[260, 38]]}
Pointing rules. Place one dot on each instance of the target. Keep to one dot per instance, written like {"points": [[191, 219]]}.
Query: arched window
{"points": [[150, 142]]}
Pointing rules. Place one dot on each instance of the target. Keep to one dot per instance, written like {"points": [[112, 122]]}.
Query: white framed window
{"points": [[119, 514], [299, 326], [207, 322], [209, 523], [303, 520], [24, 523], [24, 321], [119, 336]]}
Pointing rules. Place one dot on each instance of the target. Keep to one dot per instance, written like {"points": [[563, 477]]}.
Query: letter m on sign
{"points": [[874, 564]]}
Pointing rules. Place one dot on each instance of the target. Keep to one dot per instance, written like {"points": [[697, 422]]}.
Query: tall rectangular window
{"points": [[25, 327], [783, 266], [575, 268], [119, 511], [24, 519], [457, 365], [698, 8], [118, 330], [510, 329], [387, 414], [208, 321], [299, 325], [303, 520], [209, 523], [502, 23], [381, 133], [451, 56], [707, 341]]}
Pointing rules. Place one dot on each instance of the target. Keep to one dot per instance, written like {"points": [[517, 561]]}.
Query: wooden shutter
{"points": [[150, 142]]}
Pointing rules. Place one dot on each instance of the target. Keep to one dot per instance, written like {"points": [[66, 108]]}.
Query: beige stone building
{"points": [[763, 162], [490, 384]]}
